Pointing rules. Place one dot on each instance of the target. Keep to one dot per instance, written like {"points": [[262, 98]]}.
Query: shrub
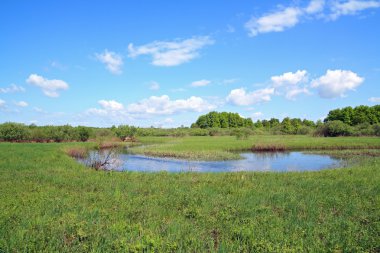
{"points": [[304, 130], [336, 128], [376, 129], [364, 129], [83, 133], [124, 131], [13, 132], [242, 133]]}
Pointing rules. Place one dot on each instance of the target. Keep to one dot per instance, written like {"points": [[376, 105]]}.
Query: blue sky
{"points": [[164, 63]]}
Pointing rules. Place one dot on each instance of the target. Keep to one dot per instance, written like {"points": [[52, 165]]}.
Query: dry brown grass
{"points": [[268, 148], [77, 152]]}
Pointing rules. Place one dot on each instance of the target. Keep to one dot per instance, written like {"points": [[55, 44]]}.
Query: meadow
{"points": [[50, 203]]}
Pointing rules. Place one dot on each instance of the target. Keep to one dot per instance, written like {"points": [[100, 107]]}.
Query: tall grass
{"points": [[50, 203]]}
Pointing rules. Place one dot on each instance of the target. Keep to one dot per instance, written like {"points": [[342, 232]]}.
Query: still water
{"points": [[273, 161]]}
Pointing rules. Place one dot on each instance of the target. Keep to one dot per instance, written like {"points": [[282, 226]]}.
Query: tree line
{"points": [[347, 121], [10, 131]]}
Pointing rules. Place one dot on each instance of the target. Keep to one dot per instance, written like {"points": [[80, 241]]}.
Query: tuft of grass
{"points": [[110, 145], [77, 152], [268, 148]]}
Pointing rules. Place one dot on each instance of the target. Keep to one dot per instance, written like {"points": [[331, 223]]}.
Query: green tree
{"points": [[287, 126]]}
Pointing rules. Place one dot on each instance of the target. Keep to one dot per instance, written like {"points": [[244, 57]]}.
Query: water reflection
{"points": [[262, 161]]}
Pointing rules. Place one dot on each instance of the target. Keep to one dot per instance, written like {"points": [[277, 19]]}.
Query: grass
{"points": [[50, 203], [220, 147]]}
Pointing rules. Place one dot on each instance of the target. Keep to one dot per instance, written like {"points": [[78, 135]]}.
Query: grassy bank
{"points": [[220, 147], [50, 203]]}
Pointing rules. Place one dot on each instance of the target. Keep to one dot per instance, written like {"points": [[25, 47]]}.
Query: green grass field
{"points": [[50, 203]]}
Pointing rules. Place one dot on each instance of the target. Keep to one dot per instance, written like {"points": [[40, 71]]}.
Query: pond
{"points": [[263, 161]]}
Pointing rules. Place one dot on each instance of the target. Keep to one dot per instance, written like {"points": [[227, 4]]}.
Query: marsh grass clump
{"points": [[77, 152], [269, 148], [109, 145]]}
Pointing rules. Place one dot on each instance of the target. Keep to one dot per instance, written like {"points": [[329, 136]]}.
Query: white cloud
{"points": [[2, 103], [256, 115], [374, 99], [289, 83], [49, 87], [164, 106], [335, 83], [171, 53], [290, 78], [315, 6], [274, 22], [288, 17], [111, 105], [97, 112], [241, 97], [200, 83], [154, 86], [112, 60], [351, 7], [21, 104], [293, 92], [12, 88]]}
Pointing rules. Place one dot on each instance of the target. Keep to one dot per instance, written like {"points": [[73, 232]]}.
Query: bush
{"points": [[83, 133], [124, 131], [364, 129], [304, 130], [335, 128], [13, 132], [242, 133], [376, 129]]}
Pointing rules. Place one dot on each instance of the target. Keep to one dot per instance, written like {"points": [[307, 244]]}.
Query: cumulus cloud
{"points": [[112, 60], [21, 104], [374, 99], [163, 105], [12, 88], [335, 83], [290, 78], [200, 83], [241, 97], [171, 53], [49, 87], [315, 6], [274, 22], [287, 17], [154, 86], [289, 83], [111, 105], [292, 93], [351, 7]]}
